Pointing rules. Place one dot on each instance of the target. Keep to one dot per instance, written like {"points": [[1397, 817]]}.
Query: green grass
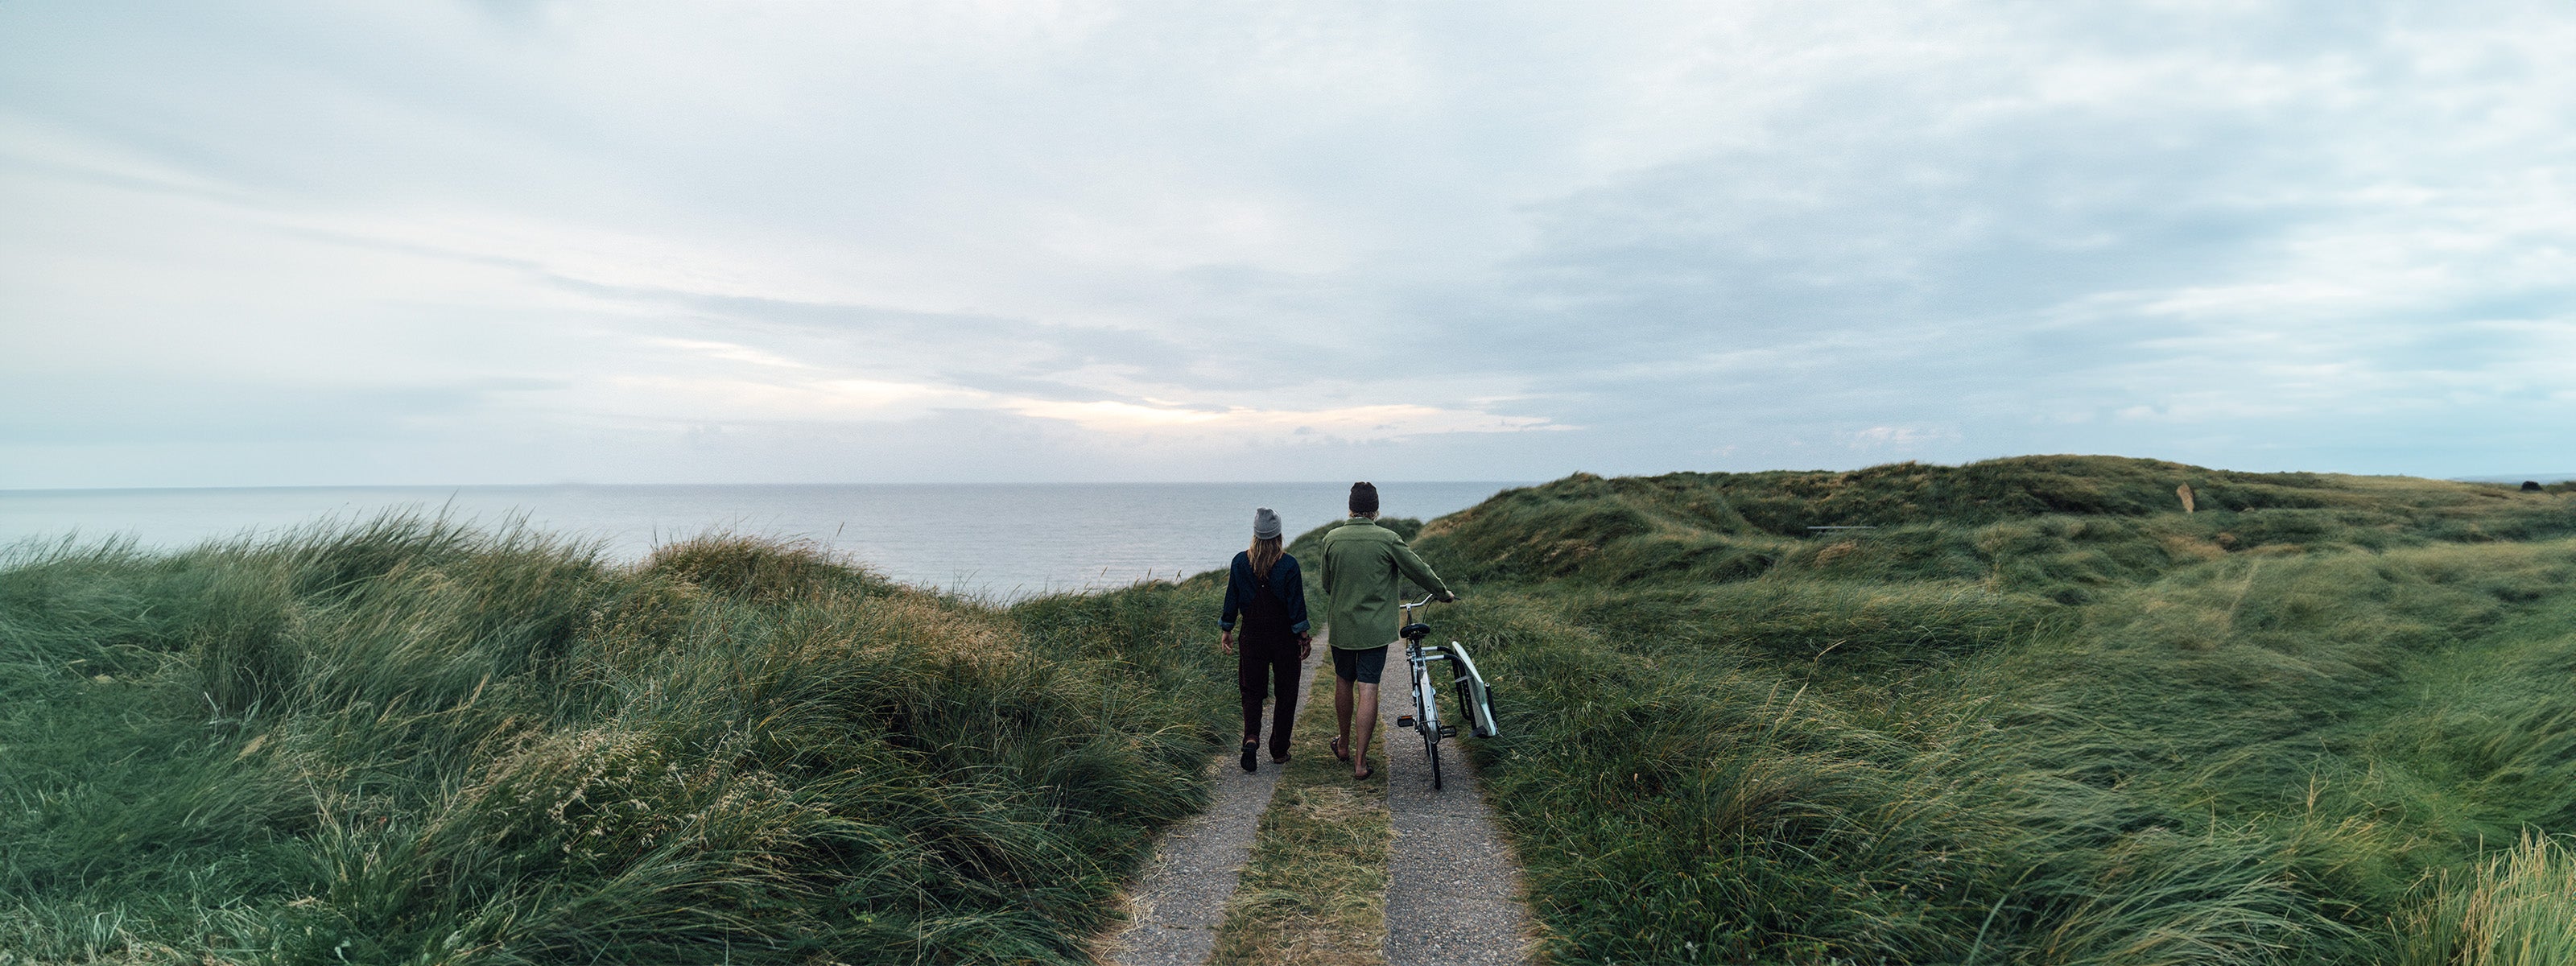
{"points": [[2038, 716], [403, 741]]}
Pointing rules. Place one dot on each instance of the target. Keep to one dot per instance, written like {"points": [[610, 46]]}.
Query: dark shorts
{"points": [[1362, 666]]}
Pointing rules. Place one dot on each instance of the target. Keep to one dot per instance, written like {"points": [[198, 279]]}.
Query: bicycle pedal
{"points": [[1448, 731], [1404, 722]]}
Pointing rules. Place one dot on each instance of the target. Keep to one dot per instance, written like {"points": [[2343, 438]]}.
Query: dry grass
{"points": [[1315, 888], [2517, 908]]}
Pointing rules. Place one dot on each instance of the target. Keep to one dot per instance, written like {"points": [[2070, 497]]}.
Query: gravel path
{"points": [[1453, 894], [1179, 898]]}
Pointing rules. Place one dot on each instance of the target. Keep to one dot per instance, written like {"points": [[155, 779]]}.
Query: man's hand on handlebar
{"points": [[1451, 599]]}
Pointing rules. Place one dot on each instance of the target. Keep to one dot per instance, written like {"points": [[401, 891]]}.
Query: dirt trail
{"points": [[1179, 898], [1453, 895]]}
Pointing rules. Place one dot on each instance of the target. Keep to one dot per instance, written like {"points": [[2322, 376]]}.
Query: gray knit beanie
{"points": [[1265, 524]]}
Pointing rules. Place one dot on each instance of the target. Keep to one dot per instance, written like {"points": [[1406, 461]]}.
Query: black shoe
{"points": [[1251, 763]]}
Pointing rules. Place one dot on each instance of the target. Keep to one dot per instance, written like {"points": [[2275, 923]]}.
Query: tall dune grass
{"points": [[2033, 718], [409, 741]]}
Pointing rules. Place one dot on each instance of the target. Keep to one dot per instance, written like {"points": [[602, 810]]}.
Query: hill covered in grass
{"points": [[2037, 714], [1965, 521], [408, 742]]}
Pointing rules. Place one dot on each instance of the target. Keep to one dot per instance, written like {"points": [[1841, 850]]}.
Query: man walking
{"points": [[1362, 566]]}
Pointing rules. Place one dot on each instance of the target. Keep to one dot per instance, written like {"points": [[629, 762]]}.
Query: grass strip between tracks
{"points": [[1315, 888]]}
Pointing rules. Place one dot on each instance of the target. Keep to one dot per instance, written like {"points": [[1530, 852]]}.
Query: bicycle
{"points": [[1475, 699]]}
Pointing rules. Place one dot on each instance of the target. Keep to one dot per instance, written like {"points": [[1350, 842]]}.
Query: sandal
{"points": [[1250, 763], [1279, 759], [1340, 753]]}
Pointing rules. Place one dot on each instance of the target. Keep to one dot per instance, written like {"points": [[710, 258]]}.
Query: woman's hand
{"points": [[1225, 642], [1305, 646]]}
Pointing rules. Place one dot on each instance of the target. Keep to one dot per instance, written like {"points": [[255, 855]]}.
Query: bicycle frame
{"points": [[1476, 701]]}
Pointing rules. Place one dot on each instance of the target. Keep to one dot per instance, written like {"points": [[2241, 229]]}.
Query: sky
{"points": [[274, 242]]}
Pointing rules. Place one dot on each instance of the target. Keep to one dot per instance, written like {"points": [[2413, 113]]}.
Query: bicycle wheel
{"points": [[1426, 717], [1431, 750]]}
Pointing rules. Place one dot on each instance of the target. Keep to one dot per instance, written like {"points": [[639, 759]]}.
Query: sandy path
{"points": [[1179, 898], [1453, 888]]}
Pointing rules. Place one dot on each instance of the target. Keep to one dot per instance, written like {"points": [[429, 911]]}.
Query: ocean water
{"points": [[1001, 541]]}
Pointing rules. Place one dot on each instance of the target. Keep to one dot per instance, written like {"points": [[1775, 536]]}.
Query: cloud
{"points": [[1172, 241], [728, 351], [705, 400], [1898, 437], [1379, 422]]}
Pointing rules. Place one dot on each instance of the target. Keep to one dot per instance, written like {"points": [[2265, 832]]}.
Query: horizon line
{"points": [[574, 484]]}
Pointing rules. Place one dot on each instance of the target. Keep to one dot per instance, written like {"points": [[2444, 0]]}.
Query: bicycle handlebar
{"points": [[1426, 599]]}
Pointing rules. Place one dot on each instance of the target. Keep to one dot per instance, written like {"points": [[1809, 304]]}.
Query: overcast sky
{"points": [[265, 243]]}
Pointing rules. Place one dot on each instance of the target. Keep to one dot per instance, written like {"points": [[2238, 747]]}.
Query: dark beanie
{"points": [[1363, 498]]}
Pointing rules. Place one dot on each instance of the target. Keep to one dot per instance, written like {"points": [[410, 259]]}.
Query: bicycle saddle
{"points": [[1414, 631]]}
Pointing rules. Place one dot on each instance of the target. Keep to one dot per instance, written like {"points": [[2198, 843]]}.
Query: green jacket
{"points": [[1361, 563]]}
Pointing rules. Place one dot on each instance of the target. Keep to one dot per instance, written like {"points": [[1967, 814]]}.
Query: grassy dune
{"points": [[2039, 715], [407, 742]]}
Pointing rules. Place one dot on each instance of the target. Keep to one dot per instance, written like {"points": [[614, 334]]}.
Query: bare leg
{"points": [[1342, 707], [1365, 695]]}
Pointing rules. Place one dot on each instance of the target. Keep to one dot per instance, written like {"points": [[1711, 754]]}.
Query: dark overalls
{"points": [[1266, 645]]}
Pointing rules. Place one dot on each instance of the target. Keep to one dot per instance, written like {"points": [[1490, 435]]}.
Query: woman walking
{"points": [[1266, 590]]}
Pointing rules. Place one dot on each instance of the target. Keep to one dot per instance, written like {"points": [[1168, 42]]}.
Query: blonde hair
{"points": [[1265, 554]]}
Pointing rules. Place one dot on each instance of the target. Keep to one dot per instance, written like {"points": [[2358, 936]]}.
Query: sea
{"points": [[993, 541]]}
